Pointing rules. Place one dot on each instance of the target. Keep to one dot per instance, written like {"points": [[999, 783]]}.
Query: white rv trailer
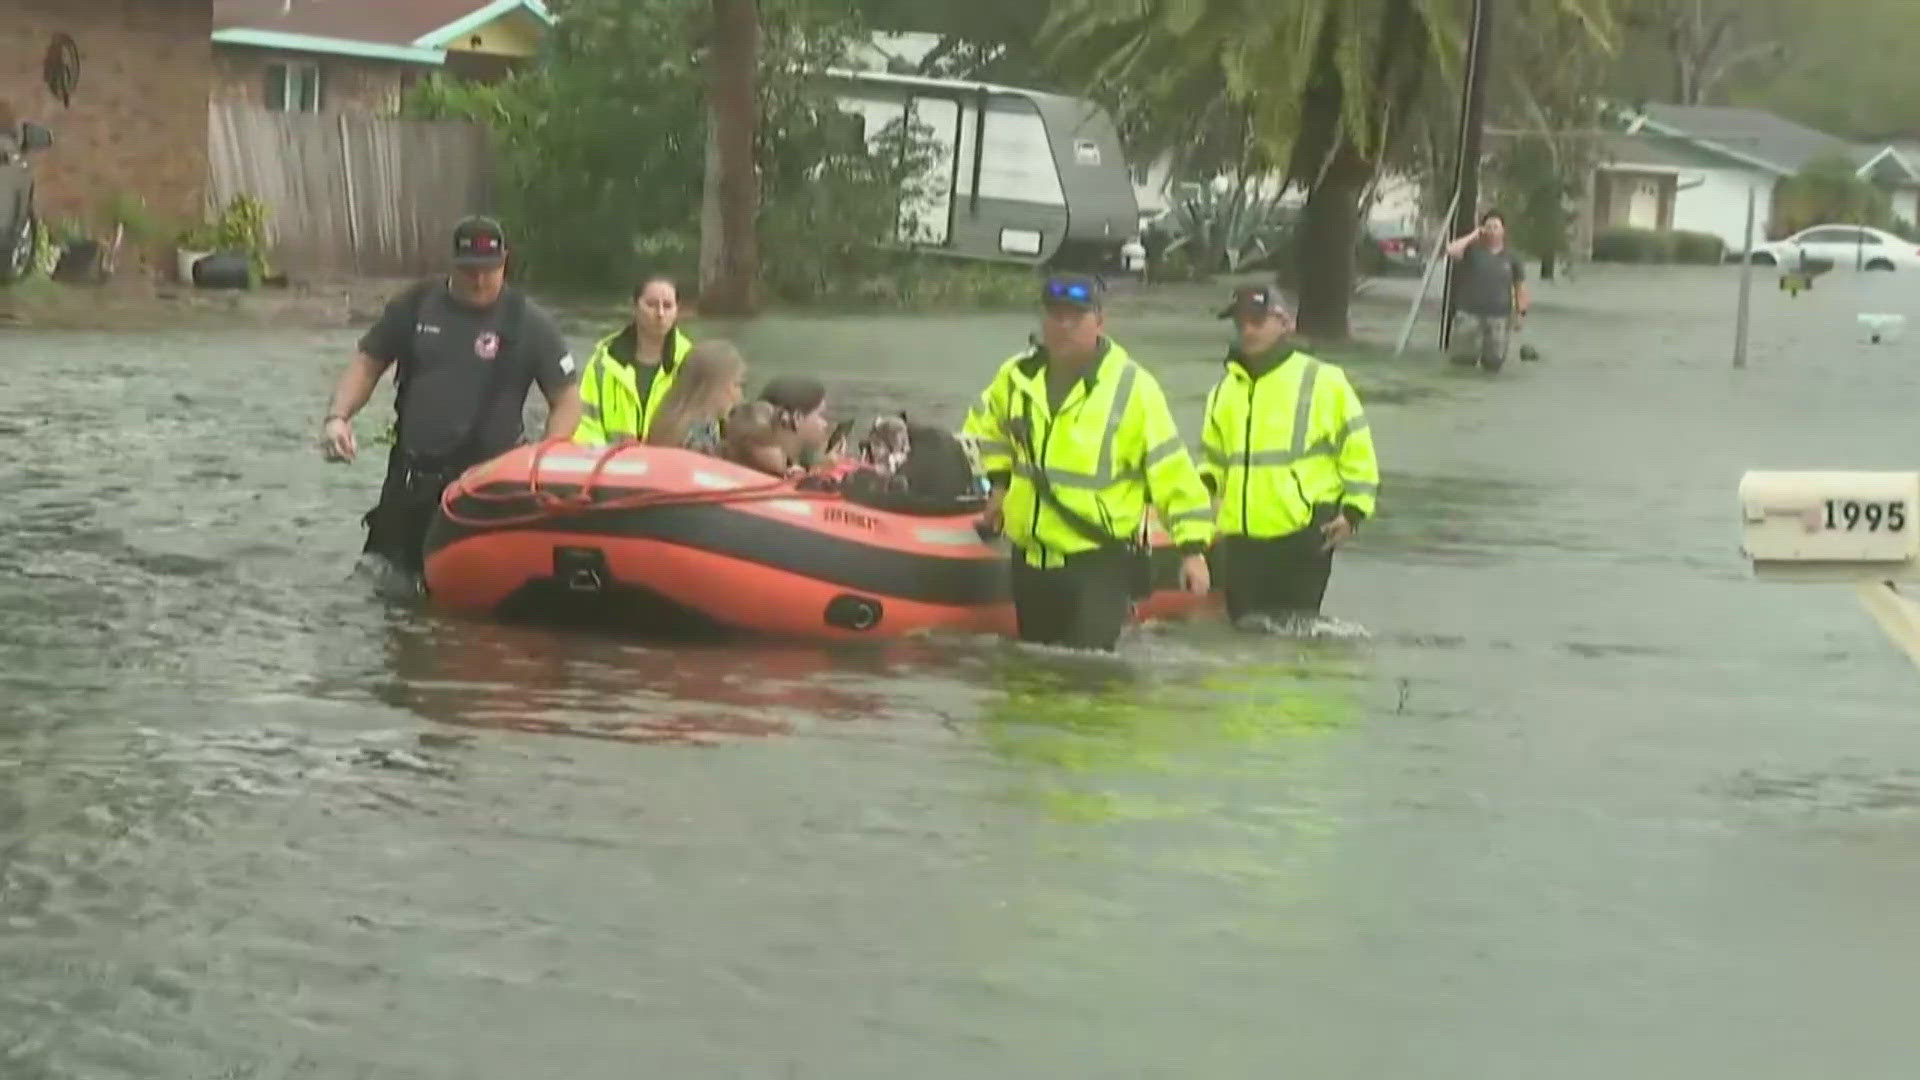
{"points": [[1019, 175]]}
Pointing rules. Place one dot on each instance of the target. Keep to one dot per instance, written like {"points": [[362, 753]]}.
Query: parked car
{"points": [[1390, 252], [1842, 247], [1263, 239], [19, 226]]}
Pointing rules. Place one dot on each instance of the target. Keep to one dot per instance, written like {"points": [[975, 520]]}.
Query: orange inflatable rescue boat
{"points": [[672, 542]]}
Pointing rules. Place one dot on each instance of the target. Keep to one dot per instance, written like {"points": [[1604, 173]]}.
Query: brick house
{"points": [[327, 56], [134, 119]]}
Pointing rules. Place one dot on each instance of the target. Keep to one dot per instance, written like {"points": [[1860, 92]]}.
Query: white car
{"points": [[1846, 247]]}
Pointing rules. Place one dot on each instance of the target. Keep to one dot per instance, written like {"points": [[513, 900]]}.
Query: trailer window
{"points": [[1017, 160], [1020, 241]]}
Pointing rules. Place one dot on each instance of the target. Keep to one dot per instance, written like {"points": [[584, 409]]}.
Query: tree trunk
{"points": [[733, 64], [710, 201], [1329, 232]]}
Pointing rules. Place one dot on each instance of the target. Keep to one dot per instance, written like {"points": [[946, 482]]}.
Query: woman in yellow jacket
{"points": [[631, 369]]}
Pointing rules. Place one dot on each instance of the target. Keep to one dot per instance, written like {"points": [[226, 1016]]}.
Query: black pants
{"points": [[1082, 605], [1282, 577], [409, 496]]}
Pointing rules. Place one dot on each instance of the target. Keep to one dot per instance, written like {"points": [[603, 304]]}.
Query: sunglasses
{"points": [[1078, 292]]}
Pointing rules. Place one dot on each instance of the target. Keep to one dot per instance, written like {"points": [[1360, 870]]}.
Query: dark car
{"points": [[19, 227]]}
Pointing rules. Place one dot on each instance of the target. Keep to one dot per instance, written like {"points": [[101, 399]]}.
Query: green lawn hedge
{"points": [[1621, 244]]}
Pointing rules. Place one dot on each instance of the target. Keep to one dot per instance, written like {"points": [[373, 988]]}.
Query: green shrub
{"points": [[1698, 247], [1828, 191], [1629, 245]]}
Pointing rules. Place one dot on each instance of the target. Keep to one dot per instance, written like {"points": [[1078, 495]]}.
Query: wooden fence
{"points": [[348, 193]]}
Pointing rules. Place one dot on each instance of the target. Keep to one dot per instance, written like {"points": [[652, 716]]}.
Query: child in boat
{"points": [[710, 382], [800, 402]]}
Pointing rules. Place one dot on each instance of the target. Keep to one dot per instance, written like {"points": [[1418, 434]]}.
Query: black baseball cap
{"points": [[479, 241], [1073, 290], [1254, 300]]}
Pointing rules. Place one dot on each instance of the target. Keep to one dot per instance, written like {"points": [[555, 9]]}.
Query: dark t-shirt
{"points": [[643, 376], [455, 348], [1486, 280]]}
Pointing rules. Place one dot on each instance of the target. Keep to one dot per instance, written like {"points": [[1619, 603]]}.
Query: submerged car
{"points": [[19, 225]]}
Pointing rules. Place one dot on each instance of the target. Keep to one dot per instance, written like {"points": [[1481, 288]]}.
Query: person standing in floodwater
{"points": [[465, 349], [1490, 290], [1288, 451], [1076, 440]]}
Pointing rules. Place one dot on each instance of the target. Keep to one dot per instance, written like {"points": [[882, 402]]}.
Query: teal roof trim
{"points": [[275, 39]]}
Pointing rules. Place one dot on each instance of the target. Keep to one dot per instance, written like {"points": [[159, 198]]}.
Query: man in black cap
{"points": [[1288, 452], [465, 349], [1077, 441]]}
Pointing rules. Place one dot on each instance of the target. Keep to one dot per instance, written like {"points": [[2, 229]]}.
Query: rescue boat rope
{"points": [[552, 504]]}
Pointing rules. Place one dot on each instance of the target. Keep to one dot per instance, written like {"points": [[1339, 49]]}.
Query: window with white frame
{"points": [[293, 86]]}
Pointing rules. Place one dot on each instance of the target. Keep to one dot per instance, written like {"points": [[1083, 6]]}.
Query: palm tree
{"points": [[1328, 86]]}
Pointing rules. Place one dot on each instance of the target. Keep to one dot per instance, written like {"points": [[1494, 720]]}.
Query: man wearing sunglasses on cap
{"points": [[1076, 440], [1286, 449], [465, 349]]}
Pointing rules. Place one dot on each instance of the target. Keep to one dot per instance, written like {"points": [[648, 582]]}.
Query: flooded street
{"points": [[1586, 802]]}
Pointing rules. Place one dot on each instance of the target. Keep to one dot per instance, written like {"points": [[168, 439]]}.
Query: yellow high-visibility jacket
{"points": [[610, 400], [1108, 452], [1275, 446]]}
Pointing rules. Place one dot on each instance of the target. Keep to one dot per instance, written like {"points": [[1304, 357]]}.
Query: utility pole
{"points": [[1466, 175], [1746, 289]]}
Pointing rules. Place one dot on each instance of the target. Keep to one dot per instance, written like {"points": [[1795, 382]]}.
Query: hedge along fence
{"points": [[1622, 244]]}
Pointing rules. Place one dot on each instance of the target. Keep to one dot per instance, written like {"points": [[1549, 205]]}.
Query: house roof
{"points": [[1657, 153], [408, 30], [1771, 143]]}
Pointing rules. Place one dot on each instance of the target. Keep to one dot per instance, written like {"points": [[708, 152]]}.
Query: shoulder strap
{"points": [[416, 298], [1077, 522], [1044, 488]]}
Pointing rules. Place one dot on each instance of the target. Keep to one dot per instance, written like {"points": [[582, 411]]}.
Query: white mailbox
{"points": [[1870, 520]]}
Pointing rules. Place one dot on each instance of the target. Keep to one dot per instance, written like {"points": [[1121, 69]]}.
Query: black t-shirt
{"points": [[643, 376], [625, 351], [455, 349], [1484, 284]]}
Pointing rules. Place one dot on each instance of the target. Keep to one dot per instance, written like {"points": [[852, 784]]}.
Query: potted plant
{"points": [[242, 230], [195, 242]]}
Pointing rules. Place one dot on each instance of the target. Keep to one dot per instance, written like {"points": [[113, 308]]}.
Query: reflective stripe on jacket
{"points": [[1110, 450], [610, 403], [1275, 446]]}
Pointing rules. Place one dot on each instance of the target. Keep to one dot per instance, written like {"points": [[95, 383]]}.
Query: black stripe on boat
{"points": [[788, 546], [722, 530]]}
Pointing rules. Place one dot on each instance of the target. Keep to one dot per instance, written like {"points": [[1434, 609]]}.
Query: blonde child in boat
{"points": [[709, 384]]}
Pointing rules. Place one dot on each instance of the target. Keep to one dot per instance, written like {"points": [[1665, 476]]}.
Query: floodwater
{"points": [[1584, 801]]}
